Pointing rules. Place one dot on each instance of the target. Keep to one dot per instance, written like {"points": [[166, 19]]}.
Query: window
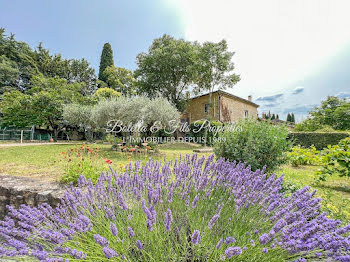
{"points": [[245, 113], [206, 108]]}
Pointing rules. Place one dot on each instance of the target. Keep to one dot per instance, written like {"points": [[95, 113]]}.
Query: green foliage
{"points": [[172, 67], [335, 160], [135, 110], [197, 131], [257, 143], [106, 61], [333, 112], [120, 79], [304, 156], [308, 125], [82, 160], [105, 93], [113, 139], [19, 63], [318, 139], [167, 69], [42, 104], [9, 73], [79, 116], [292, 118], [215, 67], [290, 186]]}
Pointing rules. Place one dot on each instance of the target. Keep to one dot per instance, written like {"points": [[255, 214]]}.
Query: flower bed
{"points": [[185, 210]]}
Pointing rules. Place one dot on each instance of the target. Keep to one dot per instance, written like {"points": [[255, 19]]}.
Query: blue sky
{"points": [[290, 54], [79, 28]]}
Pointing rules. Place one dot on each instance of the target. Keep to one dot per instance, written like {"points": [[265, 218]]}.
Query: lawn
{"points": [[46, 162], [335, 192]]}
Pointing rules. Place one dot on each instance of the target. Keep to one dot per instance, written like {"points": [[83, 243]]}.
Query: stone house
{"points": [[225, 108]]}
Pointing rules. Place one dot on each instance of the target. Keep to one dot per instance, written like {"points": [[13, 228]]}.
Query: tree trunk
{"points": [[55, 134]]}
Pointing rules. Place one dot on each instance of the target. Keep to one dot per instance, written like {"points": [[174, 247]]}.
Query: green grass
{"points": [[46, 161], [335, 191]]}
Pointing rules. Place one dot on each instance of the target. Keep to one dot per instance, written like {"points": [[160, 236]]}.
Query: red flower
{"points": [[109, 162]]}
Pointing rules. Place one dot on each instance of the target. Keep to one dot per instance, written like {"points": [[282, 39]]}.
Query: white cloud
{"points": [[277, 42], [298, 90]]}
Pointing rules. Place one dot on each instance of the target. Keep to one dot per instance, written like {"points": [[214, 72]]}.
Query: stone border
{"points": [[15, 191]]}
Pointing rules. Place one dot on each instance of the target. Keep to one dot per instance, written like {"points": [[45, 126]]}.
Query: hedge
{"points": [[319, 139]]}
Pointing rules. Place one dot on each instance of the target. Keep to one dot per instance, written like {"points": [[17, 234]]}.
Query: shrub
{"points": [[197, 132], [82, 160], [256, 143], [318, 139], [304, 156], [335, 160], [187, 210]]}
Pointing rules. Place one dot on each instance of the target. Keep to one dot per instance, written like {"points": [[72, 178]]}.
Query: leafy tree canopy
{"points": [[120, 79], [334, 112], [19, 64], [42, 104], [171, 68]]}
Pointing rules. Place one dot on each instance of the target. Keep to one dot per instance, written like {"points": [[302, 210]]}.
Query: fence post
{"points": [[21, 136]]}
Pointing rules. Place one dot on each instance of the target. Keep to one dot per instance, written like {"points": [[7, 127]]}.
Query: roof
{"points": [[230, 95]]}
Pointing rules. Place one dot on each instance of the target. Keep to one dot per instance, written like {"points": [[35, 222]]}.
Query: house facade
{"points": [[225, 108]]}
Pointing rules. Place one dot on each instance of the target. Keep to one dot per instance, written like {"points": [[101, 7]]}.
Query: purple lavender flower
{"points": [[219, 244], [168, 219], [131, 232], [196, 237], [101, 240], [230, 240], [195, 201], [233, 251], [264, 238], [109, 253], [265, 250], [139, 245], [114, 229]]}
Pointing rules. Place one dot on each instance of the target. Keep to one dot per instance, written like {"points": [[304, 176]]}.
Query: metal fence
{"points": [[8, 133]]}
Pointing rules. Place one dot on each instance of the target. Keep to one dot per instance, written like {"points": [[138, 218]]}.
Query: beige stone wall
{"points": [[233, 109], [195, 108]]}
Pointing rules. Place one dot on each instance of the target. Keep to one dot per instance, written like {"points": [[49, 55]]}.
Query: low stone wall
{"points": [[16, 191]]}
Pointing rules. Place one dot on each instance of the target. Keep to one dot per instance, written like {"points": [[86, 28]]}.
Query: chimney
{"points": [[250, 98]]}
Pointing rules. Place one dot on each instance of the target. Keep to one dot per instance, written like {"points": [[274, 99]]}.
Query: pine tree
{"points": [[273, 117], [292, 118], [289, 118], [106, 60]]}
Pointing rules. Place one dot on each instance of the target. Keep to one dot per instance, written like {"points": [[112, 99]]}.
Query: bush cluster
{"points": [[257, 143], [199, 133], [185, 210], [335, 160], [318, 139], [304, 156]]}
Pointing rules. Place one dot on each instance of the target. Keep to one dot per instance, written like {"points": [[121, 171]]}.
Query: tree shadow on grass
{"points": [[339, 188]]}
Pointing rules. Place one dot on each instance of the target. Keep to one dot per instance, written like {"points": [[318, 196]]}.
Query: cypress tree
{"points": [[106, 60], [289, 118], [277, 117], [273, 117], [292, 118]]}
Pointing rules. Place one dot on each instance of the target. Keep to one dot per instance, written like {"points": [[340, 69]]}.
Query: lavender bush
{"points": [[185, 210]]}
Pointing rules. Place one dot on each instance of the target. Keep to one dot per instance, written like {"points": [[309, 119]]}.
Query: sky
{"points": [[290, 54]]}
